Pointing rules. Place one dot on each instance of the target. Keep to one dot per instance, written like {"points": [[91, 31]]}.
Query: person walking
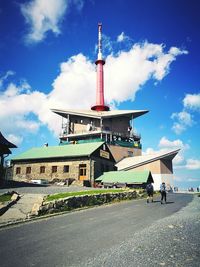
{"points": [[149, 189], [163, 192]]}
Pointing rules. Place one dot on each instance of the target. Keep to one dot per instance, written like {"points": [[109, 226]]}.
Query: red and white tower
{"points": [[100, 105]]}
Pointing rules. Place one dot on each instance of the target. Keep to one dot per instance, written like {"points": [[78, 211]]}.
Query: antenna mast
{"points": [[100, 105]]}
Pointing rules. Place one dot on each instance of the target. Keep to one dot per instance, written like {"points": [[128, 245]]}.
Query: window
{"points": [[28, 170], [18, 170], [66, 168], [54, 168], [82, 169], [130, 153], [42, 169]]}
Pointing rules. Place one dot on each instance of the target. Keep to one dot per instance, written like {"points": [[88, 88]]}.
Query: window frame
{"points": [[54, 169], [42, 169], [18, 170], [66, 169], [28, 170]]}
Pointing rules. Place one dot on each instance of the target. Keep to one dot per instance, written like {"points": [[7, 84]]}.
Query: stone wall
{"points": [[49, 175], [70, 203], [95, 166]]}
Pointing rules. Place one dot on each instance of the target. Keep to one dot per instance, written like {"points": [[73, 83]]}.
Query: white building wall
{"points": [[159, 178]]}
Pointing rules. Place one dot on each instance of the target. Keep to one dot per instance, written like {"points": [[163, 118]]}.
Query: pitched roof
{"points": [[74, 150], [126, 177], [133, 162], [5, 142], [100, 114]]}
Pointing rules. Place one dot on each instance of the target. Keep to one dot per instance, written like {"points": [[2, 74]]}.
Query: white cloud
{"points": [[75, 87], [192, 101], [17, 140], [183, 117], [193, 164], [179, 161], [179, 178], [17, 104], [141, 63], [3, 78], [178, 128], [184, 120], [107, 45], [165, 145], [123, 38], [193, 180], [185, 178], [43, 16], [13, 90], [120, 37], [179, 158]]}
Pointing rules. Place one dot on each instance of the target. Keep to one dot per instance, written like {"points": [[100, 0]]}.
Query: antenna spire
{"points": [[100, 106], [99, 41]]}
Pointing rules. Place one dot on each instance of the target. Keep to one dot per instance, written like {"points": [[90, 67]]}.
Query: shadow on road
{"points": [[158, 201]]}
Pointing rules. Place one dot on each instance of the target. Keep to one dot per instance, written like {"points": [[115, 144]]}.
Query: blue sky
{"points": [[47, 54]]}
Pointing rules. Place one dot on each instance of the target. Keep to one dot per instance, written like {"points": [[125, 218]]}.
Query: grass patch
{"points": [[81, 193], [4, 198]]}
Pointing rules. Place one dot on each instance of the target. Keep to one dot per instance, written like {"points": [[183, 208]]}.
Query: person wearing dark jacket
{"points": [[149, 189], [163, 192]]}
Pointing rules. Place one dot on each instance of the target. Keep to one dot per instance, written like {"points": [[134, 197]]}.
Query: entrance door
{"points": [[82, 172]]}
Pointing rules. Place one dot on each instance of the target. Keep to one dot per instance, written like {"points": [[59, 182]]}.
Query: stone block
{"points": [[15, 197], [35, 209]]}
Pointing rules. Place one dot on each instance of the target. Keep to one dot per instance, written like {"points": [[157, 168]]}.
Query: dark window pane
{"points": [[66, 168], [54, 168]]}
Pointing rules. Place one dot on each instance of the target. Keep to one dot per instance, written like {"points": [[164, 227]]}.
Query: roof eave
{"points": [[151, 160], [130, 114], [71, 156]]}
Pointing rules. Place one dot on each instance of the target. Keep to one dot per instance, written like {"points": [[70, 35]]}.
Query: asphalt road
{"points": [[121, 234]]}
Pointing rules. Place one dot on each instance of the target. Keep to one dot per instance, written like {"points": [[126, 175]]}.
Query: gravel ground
{"points": [[173, 241]]}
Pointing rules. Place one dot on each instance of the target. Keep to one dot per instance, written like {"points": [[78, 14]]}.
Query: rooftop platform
{"points": [[132, 114]]}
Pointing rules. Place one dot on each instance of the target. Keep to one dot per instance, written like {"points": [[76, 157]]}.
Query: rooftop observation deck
{"points": [[95, 132], [117, 142], [107, 136]]}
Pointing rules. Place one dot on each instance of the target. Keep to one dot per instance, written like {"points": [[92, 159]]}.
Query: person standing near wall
{"points": [[163, 192], [149, 189]]}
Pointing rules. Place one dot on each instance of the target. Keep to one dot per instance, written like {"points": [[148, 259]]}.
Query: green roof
{"points": [[127, 177], [74, 150]]}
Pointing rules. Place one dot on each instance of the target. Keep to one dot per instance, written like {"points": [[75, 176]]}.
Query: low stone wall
{"points": [[70, 203]]}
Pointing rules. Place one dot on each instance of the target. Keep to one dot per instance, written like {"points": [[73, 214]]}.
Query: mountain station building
{"points": [[91, 142]]}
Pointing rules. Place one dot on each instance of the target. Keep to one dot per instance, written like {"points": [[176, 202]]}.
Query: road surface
{"points": [[131, 233]]}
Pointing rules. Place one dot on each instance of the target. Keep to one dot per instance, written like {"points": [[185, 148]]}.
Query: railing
{"points": [[119, 143], [134, 136]]}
